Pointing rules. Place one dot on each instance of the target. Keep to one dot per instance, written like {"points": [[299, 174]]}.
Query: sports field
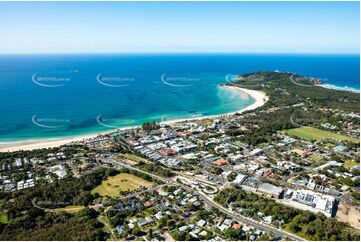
{"points": [[122, 182], [309, 133]]}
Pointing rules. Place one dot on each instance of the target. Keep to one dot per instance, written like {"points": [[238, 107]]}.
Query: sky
{"points": [[137, 27]]}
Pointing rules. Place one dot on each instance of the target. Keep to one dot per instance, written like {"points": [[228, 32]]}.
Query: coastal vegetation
{"points": [[282, 91], [292, 106], [149, 126], [37, 225], [28, 222], [23, 215]]}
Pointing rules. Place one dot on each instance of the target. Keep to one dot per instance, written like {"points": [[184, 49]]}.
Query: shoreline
{"points": [[260, 99], [338, 88]]}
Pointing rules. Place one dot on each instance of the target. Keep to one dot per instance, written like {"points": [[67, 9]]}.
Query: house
{"points": [[193, 235], [120, 229], [222, 227], [302, 153], [220, 162], [148, 204], [201, 223], [183, 228], [168, 152], [339, 148], [236, 226], [256, 151], [148, 219], [158, 215], [142, 222], [267, 219], [203, 233]]}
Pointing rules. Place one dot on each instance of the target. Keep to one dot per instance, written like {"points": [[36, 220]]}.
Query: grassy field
{"points": [[350, 163], [70, 209], [132, 158], [121, 182], [309, 133], [315, 158], [3, 219], [207, 122]]}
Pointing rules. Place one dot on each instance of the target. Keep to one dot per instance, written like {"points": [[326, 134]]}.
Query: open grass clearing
{"points": [[310, 133], [4, 219], [132, 158], [113, 185], [316, 158], [71, 209], [350, 163]]}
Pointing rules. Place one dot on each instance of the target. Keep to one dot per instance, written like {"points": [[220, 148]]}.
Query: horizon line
{"points": [[185, 52]]}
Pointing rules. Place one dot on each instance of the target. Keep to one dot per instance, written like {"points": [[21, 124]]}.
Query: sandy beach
{"points": [[260, 100]]}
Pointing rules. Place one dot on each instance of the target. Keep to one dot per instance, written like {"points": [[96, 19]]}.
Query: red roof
{"points": [[168, 151], [236, 226], [220, 162]]}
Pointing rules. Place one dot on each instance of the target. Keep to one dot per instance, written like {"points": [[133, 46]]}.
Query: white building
{"points": [[313, 201]]}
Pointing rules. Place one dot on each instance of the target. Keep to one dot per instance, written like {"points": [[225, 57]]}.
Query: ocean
{"points": [[55, 96]]}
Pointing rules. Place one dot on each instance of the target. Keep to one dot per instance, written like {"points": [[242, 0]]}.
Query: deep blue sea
{"points": [[52, 96]]}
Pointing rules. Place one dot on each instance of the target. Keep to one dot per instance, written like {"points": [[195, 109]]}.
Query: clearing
{"points": [[310, 133], [71, 209], [4, 219], [349, 214], [316, 158], [132, 158], [113, 185], [350, 163]]}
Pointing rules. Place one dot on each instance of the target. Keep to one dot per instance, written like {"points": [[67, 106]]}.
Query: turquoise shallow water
{"points": [[50, 96]]}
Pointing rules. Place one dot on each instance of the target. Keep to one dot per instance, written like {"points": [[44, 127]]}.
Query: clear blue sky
{"points": [[283, 27]]}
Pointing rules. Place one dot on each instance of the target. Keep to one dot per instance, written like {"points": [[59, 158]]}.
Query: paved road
{"points": [[108, 228], [209, 201], [299, 84], [293, 122]]}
